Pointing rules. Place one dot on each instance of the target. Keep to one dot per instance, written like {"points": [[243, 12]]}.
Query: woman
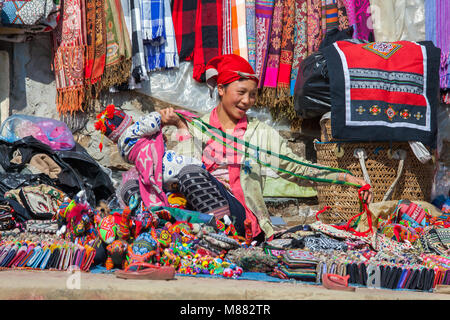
{"points": [[241, 175]]}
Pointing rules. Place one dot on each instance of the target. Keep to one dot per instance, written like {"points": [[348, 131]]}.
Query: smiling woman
{"points": [[233, 171]]}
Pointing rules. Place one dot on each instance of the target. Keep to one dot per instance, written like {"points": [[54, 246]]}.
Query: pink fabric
{"points": [[147, 156], [215, 153]]}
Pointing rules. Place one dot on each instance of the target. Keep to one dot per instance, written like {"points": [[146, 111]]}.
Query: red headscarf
{"points": [[228, 68]]}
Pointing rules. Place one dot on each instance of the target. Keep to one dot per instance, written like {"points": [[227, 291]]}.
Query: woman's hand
{"points": [[170, 118], [366, 195]]}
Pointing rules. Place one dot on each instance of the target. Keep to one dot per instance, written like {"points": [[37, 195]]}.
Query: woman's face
{"points": [[237, 97]]}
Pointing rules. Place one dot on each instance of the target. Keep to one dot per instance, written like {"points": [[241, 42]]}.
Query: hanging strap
{"points": [[207, 128]]}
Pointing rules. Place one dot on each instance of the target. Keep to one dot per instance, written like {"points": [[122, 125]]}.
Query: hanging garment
{"points": [[360, 12], [331, 14], [300, 40], [273, 58], [184, 15], [239, 28], [68, 63], [383, 91], [398, 20], [251, 31], [314, 25], [95, 45], [227, 47], [162, 53], [342, 14], [263, 21], [208, 35], [118, 46]]}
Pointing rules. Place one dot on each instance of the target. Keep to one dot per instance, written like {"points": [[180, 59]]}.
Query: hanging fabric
{"points": [[268, 94], [359, 10], [69, 45], [118, 46], [342, 15], [95, 46], [239, 28], [263, 21], [208, 35], [331, 15], [284, 106], [314, 16], [184, 13], [138, 68], [300, 40], [251, 31], [227, 47]]}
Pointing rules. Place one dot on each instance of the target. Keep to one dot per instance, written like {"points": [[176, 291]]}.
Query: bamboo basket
{"points": [[414, 184]]}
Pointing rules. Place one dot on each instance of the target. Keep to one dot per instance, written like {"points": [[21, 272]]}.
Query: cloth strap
{"points": [[207, 128]]}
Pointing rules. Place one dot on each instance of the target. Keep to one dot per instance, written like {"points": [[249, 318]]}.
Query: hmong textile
{"points": [[273, 59], [68, 63], [239, 28], [443, 40], [362, 14], [300, 40], [263, 21], [251, 32], [184, 14], [208, 35], [163, 55], [314, 30], [153, 21], [383, 91], [342, 15], [118, 46], [30, 13], [227, 47], [331, 15], [287, 45], [95, 42]]}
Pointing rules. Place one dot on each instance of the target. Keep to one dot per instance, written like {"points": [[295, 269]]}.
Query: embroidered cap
{"points": [[228, 68], [112, 123]]}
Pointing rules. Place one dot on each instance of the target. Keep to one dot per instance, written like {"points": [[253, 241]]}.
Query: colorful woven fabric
{"points": [[342, 14], [300, 40], [314, 30], [274, 50], [165, 54], [184, 14], [331, 14], [95, 44], [443, 40], [153, 21], [251, 32], [263, 21], [361, 12], [208, 35], [287, 48], [118, 46], [227, 47], [30, 13], [69, 63], [138, 68], [239, 28], [378, 90]]}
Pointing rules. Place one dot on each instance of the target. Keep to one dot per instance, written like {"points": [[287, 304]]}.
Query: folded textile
{"points": [[383, 91]]}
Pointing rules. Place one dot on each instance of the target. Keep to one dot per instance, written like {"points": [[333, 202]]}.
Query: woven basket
{"points": [[414, 184]]}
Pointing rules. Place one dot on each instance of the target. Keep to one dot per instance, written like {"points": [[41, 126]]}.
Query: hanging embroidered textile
{"points": [[383, 91], [284, 107], [342, 15], [251, 31], [300, 42], [314, 25], [263, 21], [273, 59], [360, 12], [68, 63], [95, 46], [118, 46]]}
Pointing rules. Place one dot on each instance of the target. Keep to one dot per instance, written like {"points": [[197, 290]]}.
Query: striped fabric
{"points": [[331, 14], [239, 28], [263, 22], [300, 40], [251, 32], [227, 36]]}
